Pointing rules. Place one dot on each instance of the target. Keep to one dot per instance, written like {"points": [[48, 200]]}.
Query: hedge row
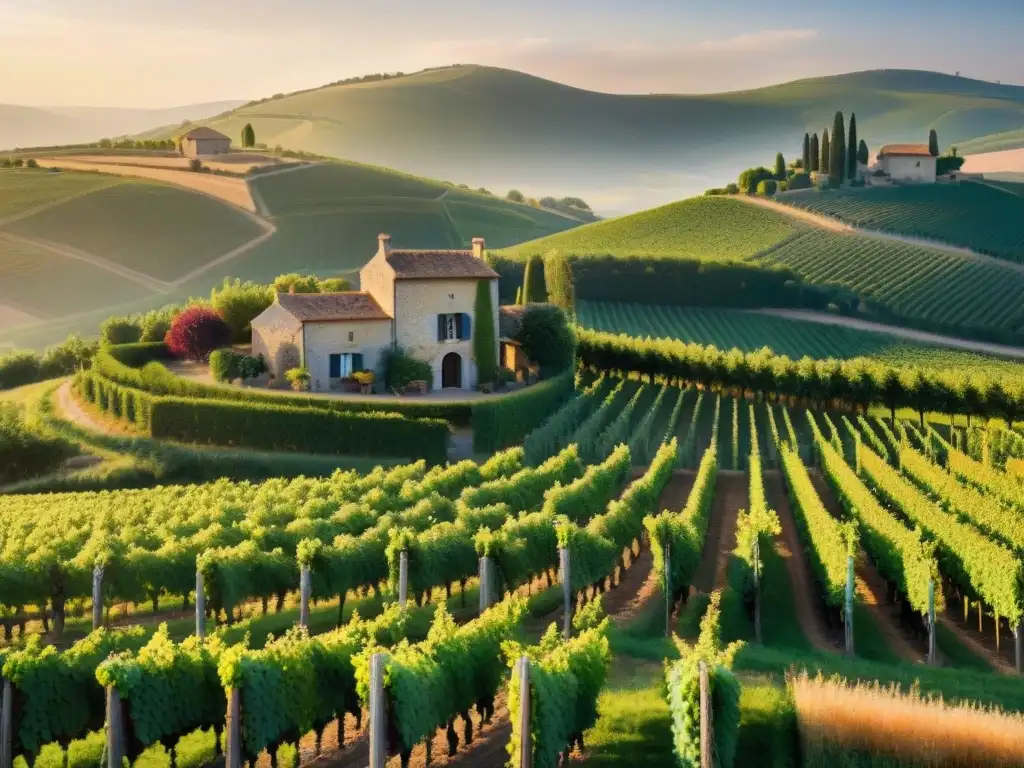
{"points": [[269, 426], [501, 422]]}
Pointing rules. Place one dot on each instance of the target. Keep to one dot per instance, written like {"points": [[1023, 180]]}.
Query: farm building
{"points": [[202, 141], [419, 301], [907, 162]]}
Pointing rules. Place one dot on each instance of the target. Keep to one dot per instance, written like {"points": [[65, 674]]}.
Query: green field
{"points": [[910, 280], [711, 228], [971, 215], [24, 190], [748, 331]]}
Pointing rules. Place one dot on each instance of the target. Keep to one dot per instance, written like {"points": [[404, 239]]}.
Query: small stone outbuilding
{"points": [[203, 142]]}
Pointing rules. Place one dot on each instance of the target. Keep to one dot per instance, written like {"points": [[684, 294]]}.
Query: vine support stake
{"points": [[525, 737], [6, 725], [200, 605], [305, 589], [931, 623], [706, 724], [1018, 635], [668, 591], [97, 598], [115, 728], [378, 724], [564, 572], [485, 583], [757, 589], [403, 578], [849, 604], [233, 756]]}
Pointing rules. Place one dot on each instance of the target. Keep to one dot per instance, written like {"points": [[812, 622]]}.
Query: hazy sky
{"points": [[142, 53]]}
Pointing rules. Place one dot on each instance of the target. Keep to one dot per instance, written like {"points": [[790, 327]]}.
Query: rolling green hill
{"points": [[503, 129]]}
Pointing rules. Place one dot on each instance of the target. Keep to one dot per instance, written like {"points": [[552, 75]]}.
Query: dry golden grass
{"points": [[883, 722]]}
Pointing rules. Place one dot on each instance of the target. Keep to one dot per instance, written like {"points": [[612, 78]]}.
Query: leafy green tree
{"points": [[300, 283], [515, 196], [851, 150], [862, 152], [335, 285], [826, 152], [933, 143], [239, 303], [248, 136], [780, 167], [485, 341], [807, 152], [547, 339], [120, 330], [534, 291], [751, 177], [815, 154], [837, 155], [71, 355]]}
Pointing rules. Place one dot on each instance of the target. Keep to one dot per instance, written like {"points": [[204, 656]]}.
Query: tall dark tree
{"points": [[248, 136], [534, 289], [815, 154], [837, 156], [807, 152], [780, 167], [826, 154], [485, 344], [851, 148], [862, 152], [933, 143]]}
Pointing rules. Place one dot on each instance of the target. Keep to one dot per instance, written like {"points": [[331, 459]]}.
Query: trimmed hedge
{"points": [[502, 422], [137, 355], [285, 428]]}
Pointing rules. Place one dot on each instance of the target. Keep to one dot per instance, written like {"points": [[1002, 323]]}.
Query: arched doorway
{"points": [[451, 371]]}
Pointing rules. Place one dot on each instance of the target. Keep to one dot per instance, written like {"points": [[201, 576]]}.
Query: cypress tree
{"points": [[534, 291], [558, 277], [851, 149], [933, 143], [837, 157], [807, 153], [862, 152], [485, 348], [780, 167], [825, 152], [248, 136], [815, 154]]}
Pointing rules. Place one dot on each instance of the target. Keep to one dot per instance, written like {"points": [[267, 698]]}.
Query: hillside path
{"points": [[70, 409], [1002, 350], [834, 225]]}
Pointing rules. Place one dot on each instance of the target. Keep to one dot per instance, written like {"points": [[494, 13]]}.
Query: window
{"points": [[342, 366], [454, 326], [351, 336]]}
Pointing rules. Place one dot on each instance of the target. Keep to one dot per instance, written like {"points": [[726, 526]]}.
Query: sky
{"points": [[147, 54]]}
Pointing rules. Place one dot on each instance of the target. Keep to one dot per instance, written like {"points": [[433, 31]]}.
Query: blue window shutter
{"points": [[335, 366], [440, 327], [357, 362], [466, 326]]}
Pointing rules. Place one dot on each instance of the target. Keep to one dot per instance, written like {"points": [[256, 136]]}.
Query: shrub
{"points": [[298, 283], [501, 422], [196, 332], [73, 354], [18, 368], [250, 367], [239, 303], [196, 165], [715, 191], [767, 187], [18, 162], [800, 181], [31, 163], [335, 285], [23, 453], [751, 177], [515, 196], [155, 324], [298, 378], [731, 188], [120, 330], [547, 339], [224, 365], [400, 368]]}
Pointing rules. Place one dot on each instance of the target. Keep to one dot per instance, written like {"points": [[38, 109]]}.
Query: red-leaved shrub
{"points": [[196, 332]]}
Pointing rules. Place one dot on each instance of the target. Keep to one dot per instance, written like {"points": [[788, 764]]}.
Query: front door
{"points": [[451, 371]]}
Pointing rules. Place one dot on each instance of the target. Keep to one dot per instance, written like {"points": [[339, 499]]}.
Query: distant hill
{"points": [[504, 129], [76, 247], [22, 126]]}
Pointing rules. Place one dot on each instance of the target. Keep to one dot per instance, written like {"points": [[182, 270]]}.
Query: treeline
{"points": [[27, 367], [854, 383]]}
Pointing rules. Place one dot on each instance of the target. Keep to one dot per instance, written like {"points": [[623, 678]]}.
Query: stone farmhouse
{"points": [[421, 301], [202, 142], [906, 162]]}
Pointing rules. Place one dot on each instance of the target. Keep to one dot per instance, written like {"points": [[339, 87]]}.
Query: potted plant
{"points": [[365, 379], [299, 378]]}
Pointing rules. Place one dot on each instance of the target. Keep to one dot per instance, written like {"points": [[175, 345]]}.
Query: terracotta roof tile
{"points": [[321, 307], [914, 150], [421, 265], [203, 132]]}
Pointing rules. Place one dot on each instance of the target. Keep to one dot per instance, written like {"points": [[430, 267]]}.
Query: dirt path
{"points": [[788, 545], [982, 650], [70, 409], [834, 225], [1002, 350], [731, 495]]}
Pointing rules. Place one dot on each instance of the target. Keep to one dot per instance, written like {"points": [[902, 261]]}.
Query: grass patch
{"points": [[956, 653], [768, 734], [868, 640]]}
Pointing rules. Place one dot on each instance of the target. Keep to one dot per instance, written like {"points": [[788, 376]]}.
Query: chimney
{"points": [[384, 242], [291, 289], [478, 247]]}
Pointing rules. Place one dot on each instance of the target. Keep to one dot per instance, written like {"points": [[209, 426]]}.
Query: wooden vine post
{"points": [[485, 583], [706, 724], [233, 753], [522, 671], [115, 728], [668, 590], [97, 597], [403, 578], [1018, 636], [931, 623], [378, 714], [849, 604], [757, 589], [200, 605], [565, 575], [7, 725], [305, 590]]}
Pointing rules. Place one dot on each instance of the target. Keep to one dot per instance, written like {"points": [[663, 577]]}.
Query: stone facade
{"points": [[277, 335], [909, 168], [369, 338]]}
